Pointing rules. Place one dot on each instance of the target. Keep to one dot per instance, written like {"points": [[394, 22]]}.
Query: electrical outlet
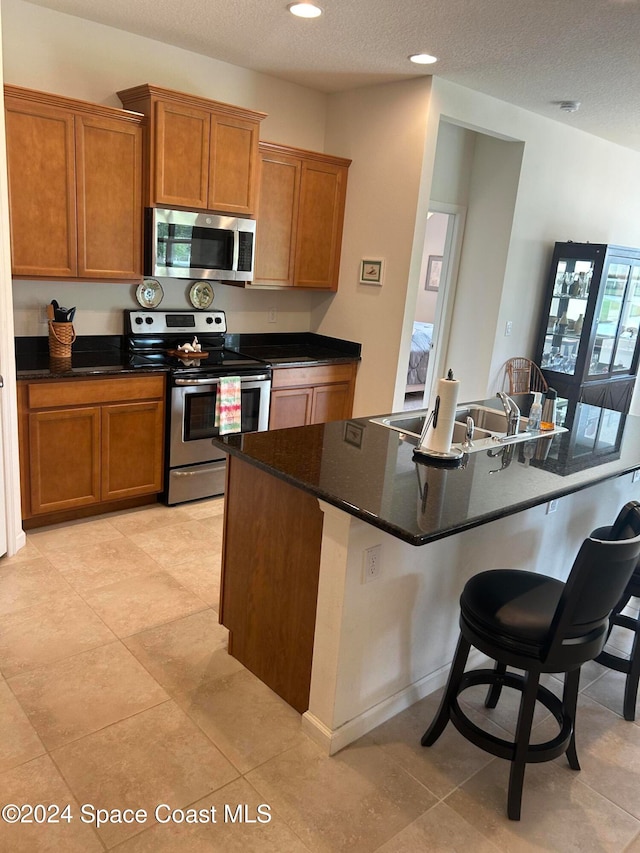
{"points": [[43, 314], [508, 328], [552, 506], [371, 559], [272, 316], [635, 476]]}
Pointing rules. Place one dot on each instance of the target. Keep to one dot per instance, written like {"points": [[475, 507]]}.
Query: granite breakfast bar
{"points": [[304, 504]]}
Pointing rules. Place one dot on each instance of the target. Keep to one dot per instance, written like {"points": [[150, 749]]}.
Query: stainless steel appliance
{"points": [[197, 245], [194, 468]]}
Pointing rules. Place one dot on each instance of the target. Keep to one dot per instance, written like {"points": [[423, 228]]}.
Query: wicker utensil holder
{"points": [[61, 336]]}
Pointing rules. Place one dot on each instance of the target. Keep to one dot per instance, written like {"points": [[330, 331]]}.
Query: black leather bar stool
{"points": [[540, 625], [629, 516]]}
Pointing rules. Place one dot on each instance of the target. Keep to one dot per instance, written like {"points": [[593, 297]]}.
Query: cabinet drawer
{"points": [[291, 377], [81, 392]]}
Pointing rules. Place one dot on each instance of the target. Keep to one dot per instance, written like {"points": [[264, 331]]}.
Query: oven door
{"points": [[192, 420]]}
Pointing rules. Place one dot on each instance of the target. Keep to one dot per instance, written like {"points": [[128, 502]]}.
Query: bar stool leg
{"points": [[523, 733], [570, 705], [457, 671], [633, 677], [495, 690]]}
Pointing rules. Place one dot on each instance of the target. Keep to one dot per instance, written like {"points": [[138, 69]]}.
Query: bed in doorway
{"points": [[419, 356]]}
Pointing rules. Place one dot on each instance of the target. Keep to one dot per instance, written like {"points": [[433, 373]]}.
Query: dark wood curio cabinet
{"points": [[588, 340]]}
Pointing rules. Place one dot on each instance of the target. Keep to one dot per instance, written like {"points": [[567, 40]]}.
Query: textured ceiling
{"points": [[533, 54]]}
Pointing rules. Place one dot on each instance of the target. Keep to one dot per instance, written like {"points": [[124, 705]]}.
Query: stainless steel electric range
{"points": [[194, 468]]}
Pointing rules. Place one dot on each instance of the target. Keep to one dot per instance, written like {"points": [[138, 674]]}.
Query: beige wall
{"points": [[58, 53], [383, 129]]}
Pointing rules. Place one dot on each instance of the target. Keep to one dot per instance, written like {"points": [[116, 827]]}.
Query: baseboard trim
{"points": [[333, 740]]}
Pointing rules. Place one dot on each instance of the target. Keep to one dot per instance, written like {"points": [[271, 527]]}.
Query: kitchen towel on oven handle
{"points": [[228, 405]]}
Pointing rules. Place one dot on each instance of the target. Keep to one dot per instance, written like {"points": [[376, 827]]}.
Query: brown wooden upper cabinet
{"points": [[201, 154], [75, 188], [300, 218]]}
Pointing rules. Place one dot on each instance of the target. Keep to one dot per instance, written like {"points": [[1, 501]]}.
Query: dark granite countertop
{"points": [[106, 355], [368, 470], [97, 355], [295, 349]]}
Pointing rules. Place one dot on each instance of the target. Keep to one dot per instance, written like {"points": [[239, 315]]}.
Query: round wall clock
{"points": [[150, 293], [201, 294]]}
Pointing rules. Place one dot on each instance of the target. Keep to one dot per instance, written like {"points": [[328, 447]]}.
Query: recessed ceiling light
{"points": [[305, 9], [423, 58]]}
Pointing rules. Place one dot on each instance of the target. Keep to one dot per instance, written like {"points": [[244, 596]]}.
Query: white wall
{"points": [[493, 185], [572, 186], [12, 538], [434, 243]]}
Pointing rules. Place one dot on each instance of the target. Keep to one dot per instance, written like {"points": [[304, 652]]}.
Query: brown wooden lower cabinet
{"points": [[311, 395], [87, 443]]}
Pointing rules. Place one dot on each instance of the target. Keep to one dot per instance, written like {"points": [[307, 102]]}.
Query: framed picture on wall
{"points": [[371, 271], [434, 271]]}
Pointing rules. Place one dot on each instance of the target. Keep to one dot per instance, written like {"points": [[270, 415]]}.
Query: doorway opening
{"points": [[443, 234]]}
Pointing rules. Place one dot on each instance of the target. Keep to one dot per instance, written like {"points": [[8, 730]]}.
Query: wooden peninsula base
{"points": [[269, 589]]}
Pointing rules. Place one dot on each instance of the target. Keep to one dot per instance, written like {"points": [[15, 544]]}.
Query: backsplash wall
{"points": [[100, 306]]}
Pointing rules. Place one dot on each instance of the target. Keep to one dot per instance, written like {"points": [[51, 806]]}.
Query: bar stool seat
{"points": [[535, 624]]}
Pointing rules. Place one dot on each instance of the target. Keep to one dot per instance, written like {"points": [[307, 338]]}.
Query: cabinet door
{"points": [[42, 195], [277, 219], [64, 458], [234, 166], [331, 403], [182, 141], [109, 168], [322, 198], [290, 407], [132, 442]]}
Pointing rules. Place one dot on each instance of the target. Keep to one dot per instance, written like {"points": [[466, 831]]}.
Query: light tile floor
{"points": [[116, 692]]}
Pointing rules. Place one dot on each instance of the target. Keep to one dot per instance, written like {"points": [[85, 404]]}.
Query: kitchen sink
{"points": [[490, 426]]}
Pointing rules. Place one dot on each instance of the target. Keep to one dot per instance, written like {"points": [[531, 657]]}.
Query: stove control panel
{"points": [[163, 322]]}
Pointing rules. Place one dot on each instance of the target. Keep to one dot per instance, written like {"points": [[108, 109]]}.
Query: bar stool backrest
{"points": [[599, 575], [627, 524]]}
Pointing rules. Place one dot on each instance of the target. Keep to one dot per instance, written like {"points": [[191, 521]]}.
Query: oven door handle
{"points": [[261, 377]]}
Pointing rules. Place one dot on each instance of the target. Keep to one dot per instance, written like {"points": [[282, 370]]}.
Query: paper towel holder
{"points": [[453, 456], [450, 458]]}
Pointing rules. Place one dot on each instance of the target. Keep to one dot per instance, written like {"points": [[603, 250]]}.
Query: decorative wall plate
{"points": [[150, 293], [201, 294]]}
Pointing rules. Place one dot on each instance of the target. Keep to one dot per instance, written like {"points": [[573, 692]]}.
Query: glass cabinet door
{"points": [[629, 323], [608, 321], [567, 311]]}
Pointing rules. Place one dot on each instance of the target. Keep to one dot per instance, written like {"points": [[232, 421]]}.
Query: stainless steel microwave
{"points": [[193, 244]]}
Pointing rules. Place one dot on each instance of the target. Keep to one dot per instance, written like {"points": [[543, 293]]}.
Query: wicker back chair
{"points": [[523, 376]]}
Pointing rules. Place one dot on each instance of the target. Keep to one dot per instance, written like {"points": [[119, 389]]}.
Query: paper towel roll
{"points": [[440, 430]]}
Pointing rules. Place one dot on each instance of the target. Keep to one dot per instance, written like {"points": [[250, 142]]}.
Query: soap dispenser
{"points": [[535, 415]]}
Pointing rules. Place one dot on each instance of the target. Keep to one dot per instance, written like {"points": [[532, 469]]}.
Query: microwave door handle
{"points": [[236, 250]]}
